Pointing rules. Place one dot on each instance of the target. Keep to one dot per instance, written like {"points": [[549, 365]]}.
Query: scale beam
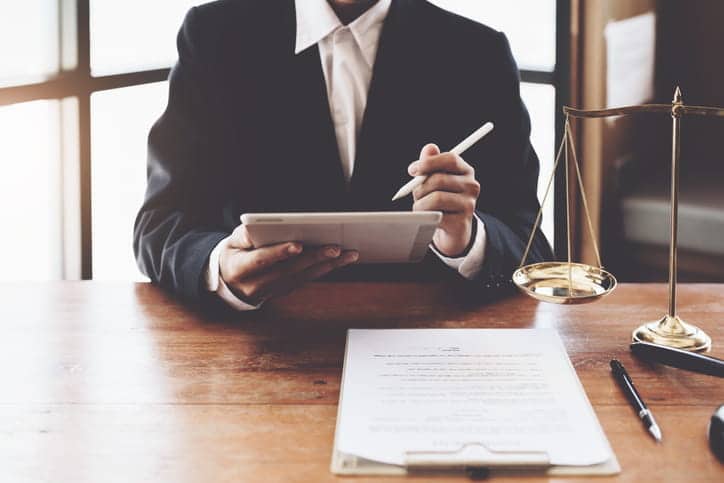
{"points": [[682, 109]]}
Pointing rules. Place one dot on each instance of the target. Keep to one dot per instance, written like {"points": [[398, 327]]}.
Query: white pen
{"points": [[459, 149]]}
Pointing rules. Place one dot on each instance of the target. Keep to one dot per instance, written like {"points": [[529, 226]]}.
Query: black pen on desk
{"points": [[624, 380]]}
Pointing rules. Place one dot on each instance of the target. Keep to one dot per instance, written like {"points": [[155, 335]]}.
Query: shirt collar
{"points": [[316, 20]]}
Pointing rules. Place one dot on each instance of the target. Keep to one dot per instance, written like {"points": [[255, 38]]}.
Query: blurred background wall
{"points": [[627, 161]]}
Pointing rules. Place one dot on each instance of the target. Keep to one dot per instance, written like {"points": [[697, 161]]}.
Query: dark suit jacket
{"points": [[248, 129]]}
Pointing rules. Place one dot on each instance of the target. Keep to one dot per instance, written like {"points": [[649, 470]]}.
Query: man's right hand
{"points": [[256, 274]]}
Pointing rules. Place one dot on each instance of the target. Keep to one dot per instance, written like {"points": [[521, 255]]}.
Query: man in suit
{"points": [[321, 105]]}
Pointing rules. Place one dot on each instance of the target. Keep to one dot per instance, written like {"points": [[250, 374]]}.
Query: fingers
{"points": [[446, 202], [319, 270], [445, 162], [240, 239], [312, 257], [452, 222], [289, 275], [429, 150], [287, 284], [289, 269], [259, 260], [449, 183]]}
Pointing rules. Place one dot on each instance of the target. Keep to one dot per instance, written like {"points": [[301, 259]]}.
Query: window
{"points": [[153, 43], [120, 120], [30, 191], [78, 95], [530, 26], [28, 40], [540, 99]]}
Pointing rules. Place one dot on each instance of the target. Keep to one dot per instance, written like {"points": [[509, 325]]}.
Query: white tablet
{"points": [[380, 237]]}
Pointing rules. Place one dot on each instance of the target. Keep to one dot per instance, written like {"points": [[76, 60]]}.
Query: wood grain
{"points": [[120, 382]]}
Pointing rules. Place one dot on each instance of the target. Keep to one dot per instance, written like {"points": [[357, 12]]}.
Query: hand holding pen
{"points": [[445, 182], [458, 150]]}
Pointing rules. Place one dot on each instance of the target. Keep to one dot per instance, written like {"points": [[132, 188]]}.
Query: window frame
{"points": [[75, 80]]}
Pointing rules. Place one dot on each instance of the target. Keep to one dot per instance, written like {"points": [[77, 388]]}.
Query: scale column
{"points": [[671, 331], [675, 157]]}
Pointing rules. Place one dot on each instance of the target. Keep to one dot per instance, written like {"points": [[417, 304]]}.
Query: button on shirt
{"points": [[347, 54]]}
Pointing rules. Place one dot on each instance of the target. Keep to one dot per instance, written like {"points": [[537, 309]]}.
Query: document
{"points": [[631, 49], [438, 391]]}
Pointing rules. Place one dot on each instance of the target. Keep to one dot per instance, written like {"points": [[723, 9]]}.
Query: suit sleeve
{"points": [[178, 224], [508, 203]]}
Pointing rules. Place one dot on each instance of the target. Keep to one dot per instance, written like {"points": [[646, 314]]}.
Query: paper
{"points": [[631, 47], [432, 390]]}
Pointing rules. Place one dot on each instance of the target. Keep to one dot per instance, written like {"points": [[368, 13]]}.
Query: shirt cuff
{"points": [[214, 282], [471, 264]]}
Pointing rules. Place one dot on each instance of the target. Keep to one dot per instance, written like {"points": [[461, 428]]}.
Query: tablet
{"points": [[380, 237]]}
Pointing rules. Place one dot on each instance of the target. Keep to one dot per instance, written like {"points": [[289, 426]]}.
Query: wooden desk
{"points": [[118, 382]]}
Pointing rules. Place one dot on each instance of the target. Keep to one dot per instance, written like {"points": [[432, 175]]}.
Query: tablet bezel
{"points": [[417, 217]]}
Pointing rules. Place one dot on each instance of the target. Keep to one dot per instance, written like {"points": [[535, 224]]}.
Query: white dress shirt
{"points": [[347, 54]]}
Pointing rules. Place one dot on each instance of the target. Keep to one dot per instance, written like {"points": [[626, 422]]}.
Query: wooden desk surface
{"points": [[118, 382]]}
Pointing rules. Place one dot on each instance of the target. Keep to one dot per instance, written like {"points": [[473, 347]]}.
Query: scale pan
{"points": [[549, 282]]}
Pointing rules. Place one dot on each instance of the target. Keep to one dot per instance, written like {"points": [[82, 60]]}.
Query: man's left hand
{"points": [[450, 187]]}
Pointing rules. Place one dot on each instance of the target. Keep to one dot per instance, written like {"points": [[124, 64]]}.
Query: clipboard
{"points": [[474, 458]]}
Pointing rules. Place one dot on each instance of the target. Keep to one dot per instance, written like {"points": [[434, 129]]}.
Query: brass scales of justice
{"points": [[576, 283]]}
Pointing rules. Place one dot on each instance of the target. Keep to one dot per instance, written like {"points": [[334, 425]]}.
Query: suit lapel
{"points": [[313, 107], [385, 145], [310, 137]]}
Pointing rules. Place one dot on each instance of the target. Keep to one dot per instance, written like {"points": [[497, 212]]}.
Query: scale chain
{"points": [[583, 193], [564, 143]]}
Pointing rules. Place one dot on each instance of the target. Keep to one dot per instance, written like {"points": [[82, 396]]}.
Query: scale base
{"points": [[673, 332]]}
